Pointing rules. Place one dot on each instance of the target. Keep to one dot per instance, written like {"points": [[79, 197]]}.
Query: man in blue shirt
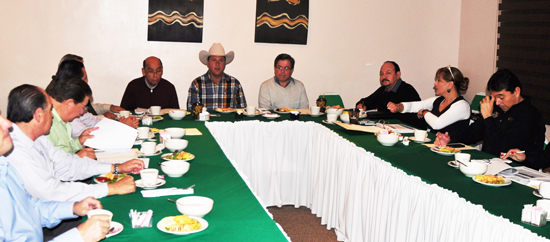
{"points": [[23, 216]]}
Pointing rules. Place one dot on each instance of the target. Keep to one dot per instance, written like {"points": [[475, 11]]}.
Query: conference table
{"points": [[365, 191]]}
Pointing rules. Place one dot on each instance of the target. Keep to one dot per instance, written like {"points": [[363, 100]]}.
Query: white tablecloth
{"points": [[359, 195]]}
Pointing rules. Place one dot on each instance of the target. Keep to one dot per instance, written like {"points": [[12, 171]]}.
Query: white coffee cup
{"points": [[545, 204], [149, 177], [143, 132], [250, 109], [331, 117], [100, 212], [544, 189], [420, 135], [148, 148], [463, 157], [124, 113], [315, 110], [155, 110]]}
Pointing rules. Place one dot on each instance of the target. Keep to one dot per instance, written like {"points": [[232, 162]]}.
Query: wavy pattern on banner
{"points": [[281, 20], [176, 17], [291, 2]]}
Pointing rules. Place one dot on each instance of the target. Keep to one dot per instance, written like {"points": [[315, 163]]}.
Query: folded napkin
{"points": [[166, 192]]}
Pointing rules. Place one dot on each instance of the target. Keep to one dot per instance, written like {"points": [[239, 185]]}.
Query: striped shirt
{"points": [[228, 93]]}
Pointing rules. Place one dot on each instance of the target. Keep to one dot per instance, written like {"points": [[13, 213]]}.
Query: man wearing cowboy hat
{"points": [[150, 89], [215, 89]]}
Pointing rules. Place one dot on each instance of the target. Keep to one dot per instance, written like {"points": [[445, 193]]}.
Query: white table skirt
{"points": [[359, 195]]}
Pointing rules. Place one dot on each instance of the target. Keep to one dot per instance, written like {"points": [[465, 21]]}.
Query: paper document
{"points": [[112, 135], [398, 128], [192, 132]]}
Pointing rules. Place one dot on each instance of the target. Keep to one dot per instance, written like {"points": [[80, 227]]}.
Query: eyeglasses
{"points": [[451, 71], [154, 72], [286, 68]]}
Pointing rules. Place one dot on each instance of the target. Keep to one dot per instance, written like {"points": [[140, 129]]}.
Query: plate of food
{"points": [[271, 115], [182, 224], [445, 150], [491, 180], [283, 110], [182, 155], [155, 130], [108, 178], [157, 118], [225, 110]]}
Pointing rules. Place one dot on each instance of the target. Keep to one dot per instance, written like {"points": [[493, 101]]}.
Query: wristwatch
{"points": [[116, 170]]}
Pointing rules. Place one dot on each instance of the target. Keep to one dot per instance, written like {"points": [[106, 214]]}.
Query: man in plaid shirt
{"points": [[215, 89]]}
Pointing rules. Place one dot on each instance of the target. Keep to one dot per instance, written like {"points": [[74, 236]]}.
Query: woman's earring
{"points": [[448, 90]]}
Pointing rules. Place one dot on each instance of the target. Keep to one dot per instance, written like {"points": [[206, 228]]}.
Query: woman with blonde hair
{"points": [[447, 111]]}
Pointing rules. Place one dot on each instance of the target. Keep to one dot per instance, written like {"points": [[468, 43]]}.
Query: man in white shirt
{"points": [[43, 166], [47, 171], [283, 91]]}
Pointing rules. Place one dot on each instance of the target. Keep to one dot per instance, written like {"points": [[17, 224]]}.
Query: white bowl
{"points": [[195, 205], [176, 144], [387, 139], [176, 133], [174, 168], [473, 168], [334, 111], [177, 114], [344, 117]]}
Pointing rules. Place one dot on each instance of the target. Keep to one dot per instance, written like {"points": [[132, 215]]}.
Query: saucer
{"points": [[426, 140], [316, 115], [160, 182], [156, 153], [117, 229], [148, 137]]}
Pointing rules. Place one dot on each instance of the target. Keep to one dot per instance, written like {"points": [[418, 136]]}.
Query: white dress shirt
{"points": [[48, 171]]}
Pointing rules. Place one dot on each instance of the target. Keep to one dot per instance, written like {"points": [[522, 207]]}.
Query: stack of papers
{"points": [[113, 140]]}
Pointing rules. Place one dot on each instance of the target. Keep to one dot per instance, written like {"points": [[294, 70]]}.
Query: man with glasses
{"points": [[215, 89], [282, 90], [150, 89], [70, 96]]}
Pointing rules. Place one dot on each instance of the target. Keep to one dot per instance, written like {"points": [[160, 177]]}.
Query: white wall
{"points": [[478, 43], [347, 43]]}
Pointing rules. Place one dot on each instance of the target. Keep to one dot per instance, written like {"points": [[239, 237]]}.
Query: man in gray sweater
{"points": [[282, 90]]}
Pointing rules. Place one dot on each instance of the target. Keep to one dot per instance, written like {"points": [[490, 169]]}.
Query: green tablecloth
{"points": [[237, 215]]}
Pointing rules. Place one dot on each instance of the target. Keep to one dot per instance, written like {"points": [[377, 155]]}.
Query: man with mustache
{"points": [[394, 90]]}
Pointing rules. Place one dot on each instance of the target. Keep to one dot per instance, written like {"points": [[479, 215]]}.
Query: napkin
{"points": [[166, 192]]}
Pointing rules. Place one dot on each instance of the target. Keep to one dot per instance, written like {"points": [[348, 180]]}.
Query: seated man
{"points": [[282, 90], [43, 166], [150, 89], [74, 65], [215, 89], [104, 109], [70, 95], [394, 90], [23, 215], [513, 123]]}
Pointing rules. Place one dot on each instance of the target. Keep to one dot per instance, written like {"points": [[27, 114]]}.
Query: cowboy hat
{"points": [[216, 50]]}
